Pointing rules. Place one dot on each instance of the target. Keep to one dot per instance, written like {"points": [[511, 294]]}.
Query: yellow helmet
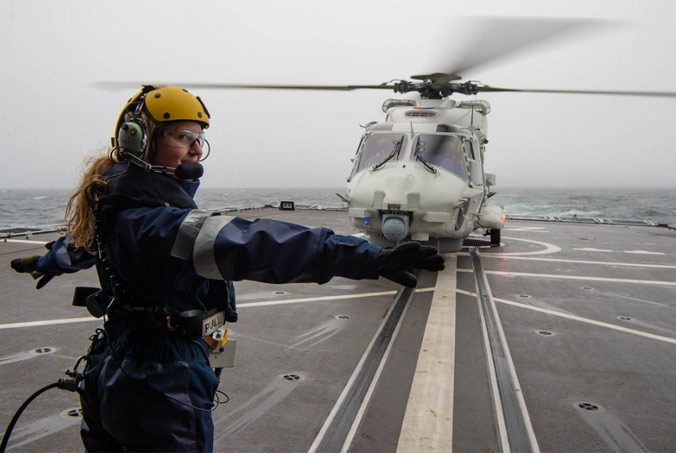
{"points": [[148, 109]]}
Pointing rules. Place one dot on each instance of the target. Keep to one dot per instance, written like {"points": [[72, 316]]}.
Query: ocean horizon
{"points": [[37, 207]]}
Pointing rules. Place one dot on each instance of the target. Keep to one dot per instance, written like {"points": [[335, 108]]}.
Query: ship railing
{"points": [[579, 219]]}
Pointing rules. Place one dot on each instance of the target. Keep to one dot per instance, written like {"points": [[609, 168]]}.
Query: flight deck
{"points": [[562, 339]]}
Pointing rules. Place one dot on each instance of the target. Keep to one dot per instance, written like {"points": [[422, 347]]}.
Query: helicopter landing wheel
{"points": [[495, 237]]}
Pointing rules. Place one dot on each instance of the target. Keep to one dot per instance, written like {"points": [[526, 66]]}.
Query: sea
{"points": [[45, 208]]}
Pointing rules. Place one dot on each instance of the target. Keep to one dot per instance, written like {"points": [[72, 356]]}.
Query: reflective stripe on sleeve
{"points": [[187, 233], [203, 256]]}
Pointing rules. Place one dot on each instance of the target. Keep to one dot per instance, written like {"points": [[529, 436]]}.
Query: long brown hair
{"points": [[80, 213]]}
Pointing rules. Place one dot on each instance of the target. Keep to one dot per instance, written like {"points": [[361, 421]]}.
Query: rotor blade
{"points": [[602, 92], [288, 87], [114, 86], [491, 38]]}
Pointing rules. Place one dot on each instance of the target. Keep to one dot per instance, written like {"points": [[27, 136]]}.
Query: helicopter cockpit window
{"points": [[445, 151], [379, 149]]}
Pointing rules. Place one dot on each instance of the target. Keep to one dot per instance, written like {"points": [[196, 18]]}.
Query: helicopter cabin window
{"points": [[445, 151], [379, 149], [469, 149], [474, 160]]}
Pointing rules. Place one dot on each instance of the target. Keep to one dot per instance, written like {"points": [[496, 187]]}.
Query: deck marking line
{"points": [[652, 336], [578, 277], [590, 249], [560, 260], [428, 420], [49, 322], [337, 425], [518, 427], [24, 241], [323, 298], [315, 299]]}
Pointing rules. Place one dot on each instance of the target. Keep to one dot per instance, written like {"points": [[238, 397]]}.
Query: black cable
{"points": [[72, 386], [217, 398], [10, 427], [139, 384]]}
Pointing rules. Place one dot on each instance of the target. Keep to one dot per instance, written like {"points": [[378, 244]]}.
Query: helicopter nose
{"points": [[398, 185]]}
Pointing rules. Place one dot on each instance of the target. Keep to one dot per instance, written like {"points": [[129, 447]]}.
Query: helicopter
{"points": [[420, 173]]}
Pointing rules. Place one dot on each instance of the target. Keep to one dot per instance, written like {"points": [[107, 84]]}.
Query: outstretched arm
{"points": [[61, 258], [270, 251]]}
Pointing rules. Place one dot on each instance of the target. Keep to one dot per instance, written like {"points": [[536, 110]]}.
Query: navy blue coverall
{"points": [[145, 387]]}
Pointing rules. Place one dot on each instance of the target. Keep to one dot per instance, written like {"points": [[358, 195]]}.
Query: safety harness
{"points": [[130, 187]]}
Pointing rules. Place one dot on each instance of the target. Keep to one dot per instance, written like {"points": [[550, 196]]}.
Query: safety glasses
{"points": [[185, 138]]}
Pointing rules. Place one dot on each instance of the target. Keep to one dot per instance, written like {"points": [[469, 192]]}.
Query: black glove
{"points": [[396, 264], [30, 265]]}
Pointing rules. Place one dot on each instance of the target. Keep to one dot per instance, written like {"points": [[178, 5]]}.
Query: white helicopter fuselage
{"points": [[419, 175]]}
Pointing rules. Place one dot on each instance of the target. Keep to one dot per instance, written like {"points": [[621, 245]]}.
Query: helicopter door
{"points": [[379, 149], [445, 151]]}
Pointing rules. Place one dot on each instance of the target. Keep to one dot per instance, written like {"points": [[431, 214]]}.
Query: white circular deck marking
{"points": [[548, 248]]}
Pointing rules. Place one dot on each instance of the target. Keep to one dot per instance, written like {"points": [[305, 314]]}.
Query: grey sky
{"points": [[51, 119]]}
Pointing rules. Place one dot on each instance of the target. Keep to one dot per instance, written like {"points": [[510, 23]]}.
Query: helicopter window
{"points": [[475, 173], [469, 149], [445, 151], [378, 149]]}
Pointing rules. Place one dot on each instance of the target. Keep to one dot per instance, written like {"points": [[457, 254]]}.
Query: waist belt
{"points": [[191, 323]]}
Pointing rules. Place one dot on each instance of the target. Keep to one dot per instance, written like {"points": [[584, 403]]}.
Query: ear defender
{"points": [[132, 138]]}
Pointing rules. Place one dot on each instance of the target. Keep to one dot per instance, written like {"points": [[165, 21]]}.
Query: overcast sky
{"points": [[52, 118]]}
